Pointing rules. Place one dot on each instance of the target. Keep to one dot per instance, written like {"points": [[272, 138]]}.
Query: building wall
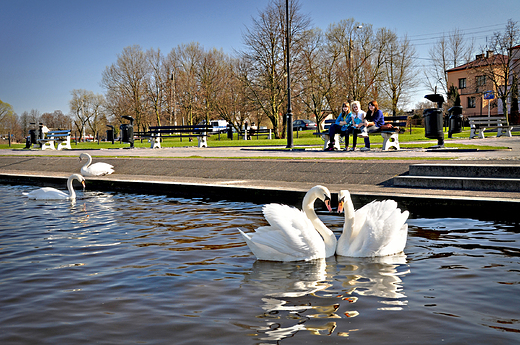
{"points": [[473, 92]]}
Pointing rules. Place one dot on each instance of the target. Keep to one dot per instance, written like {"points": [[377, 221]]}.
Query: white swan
{"points": [[96, 169], [292, 234], [48, 193], [377, 229]]}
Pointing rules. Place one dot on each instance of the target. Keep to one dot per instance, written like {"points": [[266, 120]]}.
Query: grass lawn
{"points": [[415, 139]]}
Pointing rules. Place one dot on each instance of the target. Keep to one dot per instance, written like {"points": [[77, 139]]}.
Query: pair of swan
{"points": [[89, 169], [377, 229]]}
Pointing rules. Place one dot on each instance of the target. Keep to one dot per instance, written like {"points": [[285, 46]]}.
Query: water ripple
{"points": [[116, 268]]}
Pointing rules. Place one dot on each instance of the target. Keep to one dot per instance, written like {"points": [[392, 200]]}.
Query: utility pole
{"points": [[289, 110]]}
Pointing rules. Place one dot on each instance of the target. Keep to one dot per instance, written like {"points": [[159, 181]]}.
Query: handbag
{"points": [[386, 127]]}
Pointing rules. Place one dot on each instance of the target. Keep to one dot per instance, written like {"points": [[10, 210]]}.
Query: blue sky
{"points": [[50, 47]]}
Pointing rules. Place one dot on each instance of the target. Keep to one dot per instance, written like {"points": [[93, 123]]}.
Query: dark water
{"points": [[139, 269]]}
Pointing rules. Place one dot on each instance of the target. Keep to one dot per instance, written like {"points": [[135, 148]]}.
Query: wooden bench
{"points": [[60, 136], [479, 124], [390, 136], [156, 133], [246, 134]]}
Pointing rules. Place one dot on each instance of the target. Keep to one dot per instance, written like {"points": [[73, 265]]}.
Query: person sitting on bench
{"points": [[375, 119], [358, 125], [342, 125]]}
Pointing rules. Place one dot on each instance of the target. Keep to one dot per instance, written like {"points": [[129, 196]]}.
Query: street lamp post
{"points": [[289, 110]]}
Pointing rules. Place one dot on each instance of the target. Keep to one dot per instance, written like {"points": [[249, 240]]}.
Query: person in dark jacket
{"points": [[374, 120]]}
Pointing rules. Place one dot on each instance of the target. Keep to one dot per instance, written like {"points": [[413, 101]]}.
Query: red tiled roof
{"points": [[493, 60]]}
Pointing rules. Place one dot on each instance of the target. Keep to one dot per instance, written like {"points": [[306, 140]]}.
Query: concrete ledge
{"points": [[463, 183], [466, 170], [424, 205]]}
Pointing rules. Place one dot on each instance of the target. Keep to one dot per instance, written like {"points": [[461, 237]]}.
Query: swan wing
{"points": [[379, 229], [97, 169], [295, 226], [47, 193], [384, 231], [289, 237]]}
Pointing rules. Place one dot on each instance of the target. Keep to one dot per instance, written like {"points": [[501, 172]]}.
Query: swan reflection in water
{"points": [[318, 296]]}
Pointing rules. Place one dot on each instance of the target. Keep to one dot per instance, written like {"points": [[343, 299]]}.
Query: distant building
{"points": [[473, 85]]}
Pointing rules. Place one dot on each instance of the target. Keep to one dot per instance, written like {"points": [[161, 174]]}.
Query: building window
{"points": [[472, 102], [462, 83], [481, 80]]}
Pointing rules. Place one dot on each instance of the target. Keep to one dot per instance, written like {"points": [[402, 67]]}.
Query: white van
{"points": [[219, 126]]}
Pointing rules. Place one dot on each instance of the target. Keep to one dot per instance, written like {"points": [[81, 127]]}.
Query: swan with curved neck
{"points": [[377, 229], [48, 193], [322, 193], [96, 169], [293, 235]]}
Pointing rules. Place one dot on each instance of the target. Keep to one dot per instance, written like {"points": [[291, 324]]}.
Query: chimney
{"points": [[489, 54], [479, 56]]}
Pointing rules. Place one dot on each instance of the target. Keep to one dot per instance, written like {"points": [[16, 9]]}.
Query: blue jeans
{"points": [[370, 129]]}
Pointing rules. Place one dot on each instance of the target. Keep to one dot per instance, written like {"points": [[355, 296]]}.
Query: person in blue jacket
{"points": [[342, 125], [374, 120]]}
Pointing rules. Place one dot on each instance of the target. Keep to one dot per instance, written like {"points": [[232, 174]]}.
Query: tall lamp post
{"points": [[289, 110]]}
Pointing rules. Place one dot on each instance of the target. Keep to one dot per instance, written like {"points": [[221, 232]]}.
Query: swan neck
{"points": [[89, 160], [72, 193], [348, 227], [328, 236]]}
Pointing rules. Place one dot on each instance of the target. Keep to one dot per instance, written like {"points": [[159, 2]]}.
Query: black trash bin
{"points": [[31, 138], [434, 119], [110, 133], [32, 135], [433, 123], [127, 131], [455, 120]]}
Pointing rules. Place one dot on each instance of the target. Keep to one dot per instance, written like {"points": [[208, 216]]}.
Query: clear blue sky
{"points": [[50, 47]]}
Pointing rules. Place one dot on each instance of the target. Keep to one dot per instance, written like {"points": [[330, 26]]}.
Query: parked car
{"points": [[301, 125]]}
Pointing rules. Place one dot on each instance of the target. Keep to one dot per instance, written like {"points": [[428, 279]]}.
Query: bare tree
{"points": [[320, 76], [361, 53], [87, 109], [502, 71], [212, 78], [79, 108], [184, 61], [450, 51], [233, 104], [264, 67], [56, 120], [98, 118], [399, 71], [156, 81], [127, 79], [27, 119]]}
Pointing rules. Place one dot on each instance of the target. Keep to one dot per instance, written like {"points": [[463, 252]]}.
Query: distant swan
{"points": [[96, 169], [293, 235], [377, 229], [48, 193]]}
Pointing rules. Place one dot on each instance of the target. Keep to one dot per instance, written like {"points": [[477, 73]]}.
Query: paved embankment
{"points": [[266, 175]]}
